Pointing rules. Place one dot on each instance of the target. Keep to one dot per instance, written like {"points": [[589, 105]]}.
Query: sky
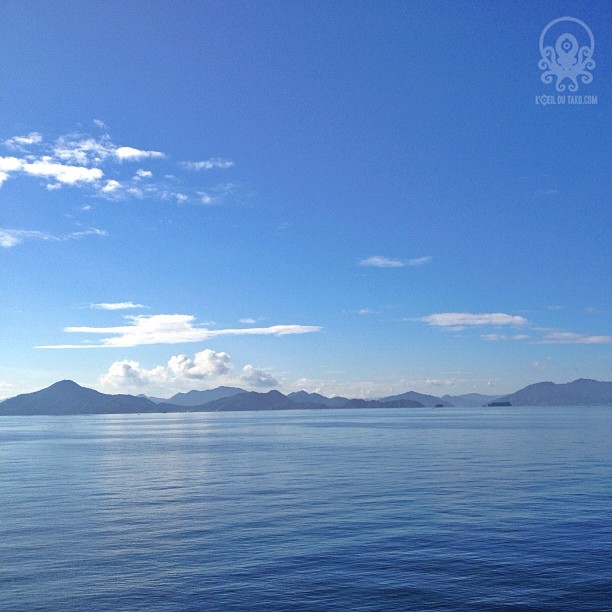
{"points": [[352, 198]]}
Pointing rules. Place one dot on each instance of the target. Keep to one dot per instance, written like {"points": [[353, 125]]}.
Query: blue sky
{"points": [[350, 198]]}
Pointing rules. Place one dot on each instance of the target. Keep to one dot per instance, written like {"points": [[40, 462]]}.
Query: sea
{"points": [[370, 509]]}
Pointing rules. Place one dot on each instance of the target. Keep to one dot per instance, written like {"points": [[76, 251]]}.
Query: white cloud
{"points": [[90, 162], [87, 151], [100, 124], [418, 261], [378, 261], [125, 373], [560, 337], [366, 311], [171, 329], [132, 154], [111, 186], [257, 378], [205, 363], [179, 372], [10, 238], [116, 305], [18, 142], [209, 164], [68, 175], [440, 382], [448, 319], [82, 233], [365, 389], [10, 164]]}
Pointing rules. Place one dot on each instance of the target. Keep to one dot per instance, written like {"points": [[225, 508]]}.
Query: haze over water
{"points": [[366, 509]]}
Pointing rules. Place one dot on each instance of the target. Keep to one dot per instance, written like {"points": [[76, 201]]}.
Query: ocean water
{"points": [[413, 509]]}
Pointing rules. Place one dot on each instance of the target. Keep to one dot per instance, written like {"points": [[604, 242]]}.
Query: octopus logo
{"points": [[567, 59]]}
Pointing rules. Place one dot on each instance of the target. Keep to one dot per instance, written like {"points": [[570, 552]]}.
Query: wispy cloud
{"points": [[170, 329], [82, 149], [18, 142], [209, 164], [562, 337], [495, 337], [366, 311], [10, 237], [104, 169], [440, 382], [379, 261], [116, 306], [592, 310], [462, 319], [458, 321]]}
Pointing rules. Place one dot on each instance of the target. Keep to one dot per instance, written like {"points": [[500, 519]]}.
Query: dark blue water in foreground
{"points": [[364, 510]]}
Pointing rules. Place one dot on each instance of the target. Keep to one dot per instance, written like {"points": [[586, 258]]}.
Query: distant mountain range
{"points": [[413, 396], [470, 399], [67, 397], [197, 398], [344, 402], [581, 392]]}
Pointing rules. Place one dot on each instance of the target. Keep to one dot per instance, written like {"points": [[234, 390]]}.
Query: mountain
{"points": [[197, 398], [345, 402], [251, 400], [317, 398], [423, 399], [156, 400], [470, 400], [581, 392], [309, 398], [66, 397]]}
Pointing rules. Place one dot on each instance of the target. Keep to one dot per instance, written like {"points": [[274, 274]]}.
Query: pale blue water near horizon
{"points": [[414, 509]]}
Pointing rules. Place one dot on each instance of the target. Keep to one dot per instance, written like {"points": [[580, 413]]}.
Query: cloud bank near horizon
{"points": [[206, 367]]}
